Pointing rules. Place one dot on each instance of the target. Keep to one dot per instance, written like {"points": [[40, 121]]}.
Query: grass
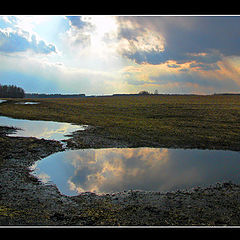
{"points": [[163, 120], [8, 212]]}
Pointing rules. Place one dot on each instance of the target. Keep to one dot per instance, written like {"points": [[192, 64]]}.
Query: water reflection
{"points": [[151, 169], [27, 103], [40, 129], [1, 101]]}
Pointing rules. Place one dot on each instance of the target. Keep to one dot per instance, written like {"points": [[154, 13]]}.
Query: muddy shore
{"points": [[25, 201]]}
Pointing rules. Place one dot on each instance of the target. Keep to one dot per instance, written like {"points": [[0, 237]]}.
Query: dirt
{"points": [[25, 201], [92, 137]]}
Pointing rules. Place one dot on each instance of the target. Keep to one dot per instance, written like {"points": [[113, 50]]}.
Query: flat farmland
{"points": [[184, 121]]}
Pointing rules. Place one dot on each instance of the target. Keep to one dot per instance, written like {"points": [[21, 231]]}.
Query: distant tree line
{"points": [[137, 94], [43, 95], [11, 91]]}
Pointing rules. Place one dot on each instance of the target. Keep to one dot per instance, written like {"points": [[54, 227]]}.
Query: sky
{"points": [[108, 54]]}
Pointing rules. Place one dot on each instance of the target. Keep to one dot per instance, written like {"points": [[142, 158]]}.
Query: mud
{"points": [[25, 201]]}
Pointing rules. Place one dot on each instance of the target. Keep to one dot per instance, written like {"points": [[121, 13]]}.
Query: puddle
{"points": [[1, 101], [27, 103], [40, 129], [118, 169], [150, 169]]}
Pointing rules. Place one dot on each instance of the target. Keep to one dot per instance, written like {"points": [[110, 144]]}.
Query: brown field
{"points": [[164, 120]]}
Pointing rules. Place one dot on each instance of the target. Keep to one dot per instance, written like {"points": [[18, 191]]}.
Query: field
{"points": [[159, 121], [211, 122]]}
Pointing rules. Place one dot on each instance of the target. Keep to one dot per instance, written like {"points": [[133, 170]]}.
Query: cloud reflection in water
{"points": [[151, 169]]}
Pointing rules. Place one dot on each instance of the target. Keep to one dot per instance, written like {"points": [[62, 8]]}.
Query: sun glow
{"points": [[105, 26]]}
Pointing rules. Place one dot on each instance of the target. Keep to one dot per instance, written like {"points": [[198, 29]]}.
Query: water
{"points": [[24, 103], [149, 169], [27, 103], [40, 129], [118, 169]]}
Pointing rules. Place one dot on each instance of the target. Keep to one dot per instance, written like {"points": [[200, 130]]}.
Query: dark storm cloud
{"points": [[152, 57], [130, 34], [217, 36], [16, 42]]}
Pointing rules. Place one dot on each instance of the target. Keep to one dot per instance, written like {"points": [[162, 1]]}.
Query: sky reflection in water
{"points": [[40, 129], [151, 169], [27, 103], [112, 170]]}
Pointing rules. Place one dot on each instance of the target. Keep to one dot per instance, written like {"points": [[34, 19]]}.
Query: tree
{"points": [[11, 91], [143, 93], [156, 92]]}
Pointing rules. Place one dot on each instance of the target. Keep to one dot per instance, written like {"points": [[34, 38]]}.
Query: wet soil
{"points": [[98, 137], [26, 201]]}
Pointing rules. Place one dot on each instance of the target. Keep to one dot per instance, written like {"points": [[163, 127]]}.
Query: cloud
{"points": [[140, 57], [42, 76], [78, 22], [204, 67], [173, 65], [41, 46], [193, 53], [80, 32], [192, 81], [189, 77], [200, 39], [120, 54], [141, 45], [7, 21], [19, 41]]}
